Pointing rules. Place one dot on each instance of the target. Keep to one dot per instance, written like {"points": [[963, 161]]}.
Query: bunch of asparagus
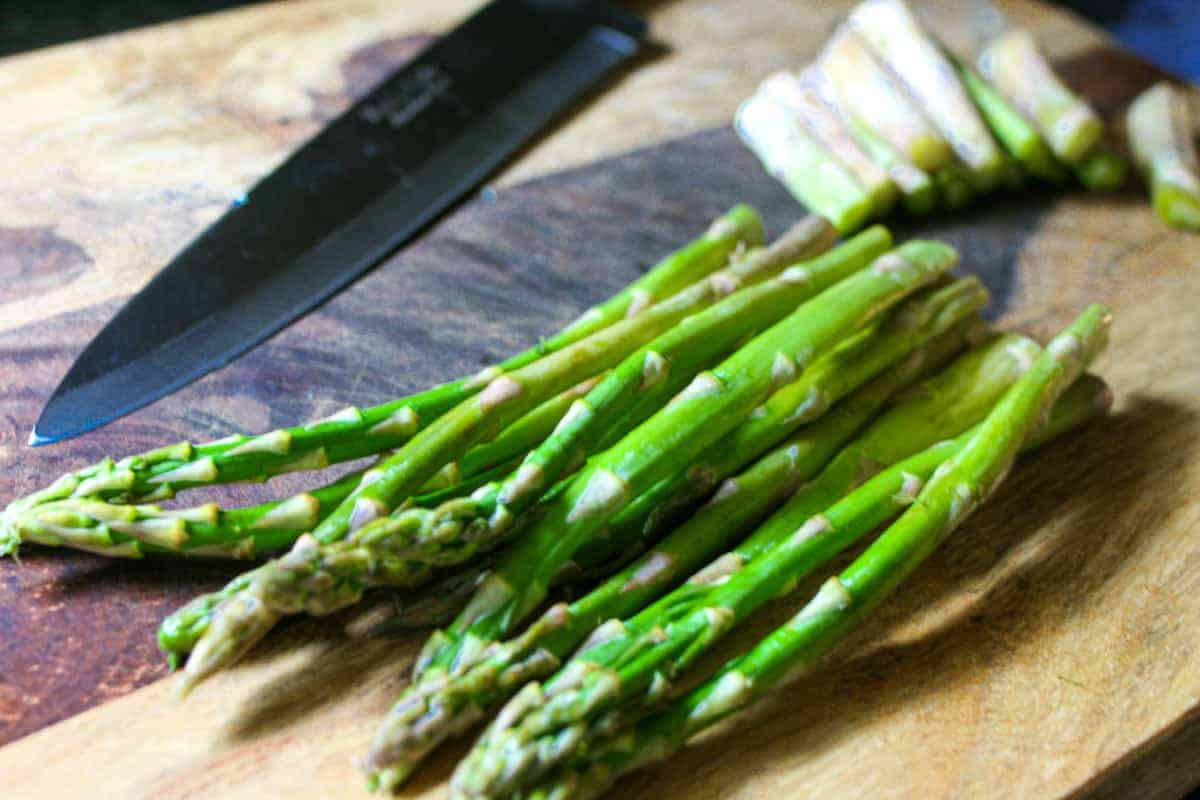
{"points": [[886, 112], [695, 446]]}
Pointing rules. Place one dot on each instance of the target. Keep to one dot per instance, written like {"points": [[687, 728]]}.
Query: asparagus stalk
{"points": [[891, 31], [207, 530], [1015, 66], [712, 405], [354, 433], [792, 649], [621, 659], [1160, 135], [454, 532], [133, 531], [431, 711], [798, 160], [237, 622], [527, 432], [799, 95]]}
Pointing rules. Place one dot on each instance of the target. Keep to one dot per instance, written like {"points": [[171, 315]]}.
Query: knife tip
{"points": [[37, 440]]}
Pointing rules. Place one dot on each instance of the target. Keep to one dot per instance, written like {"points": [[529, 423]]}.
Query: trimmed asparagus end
{"points": [[1160, 136], [802, 164], [1015, 66], [954, 186], [1020, 139]]}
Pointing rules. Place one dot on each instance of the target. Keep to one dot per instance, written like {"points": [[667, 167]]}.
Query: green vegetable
{"points": [[1160, 135], [237, 622], [969, 467], [430, 711], [1014, 65], [639, 658]]}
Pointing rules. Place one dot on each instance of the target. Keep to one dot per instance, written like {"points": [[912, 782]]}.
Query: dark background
{"points": [[1162, 31]]}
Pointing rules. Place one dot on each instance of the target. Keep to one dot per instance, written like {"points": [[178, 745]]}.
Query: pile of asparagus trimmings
{"points": [[706, 439], [886, 112]]}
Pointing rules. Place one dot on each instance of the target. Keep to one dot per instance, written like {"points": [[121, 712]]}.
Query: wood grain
{"points": [[1047, 650]]}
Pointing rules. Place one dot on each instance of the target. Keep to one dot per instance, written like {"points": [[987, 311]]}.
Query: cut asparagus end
{"points": [[1175, 205], [802, 164], [1023, 76], [919, 195], [1020, 139], [803, 95], [897, 39], [931, 153], [866, 91], [954, 186], [1160, 135], [1102, 170], [1013, 177]]}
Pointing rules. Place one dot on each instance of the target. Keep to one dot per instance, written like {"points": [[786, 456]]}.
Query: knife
{"points": [[365, 185]]}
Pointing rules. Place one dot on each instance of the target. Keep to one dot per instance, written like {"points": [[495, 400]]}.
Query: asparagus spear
{"points": [[454, 532], [132, 531], [891, 31], [207, 530], [1018, 136], [526, 433], [621, 659], [841, 603], [1160, 135], [799, 161], [237, 622], [1015, 66], [799, 95], [433, 710], [353, 433]]}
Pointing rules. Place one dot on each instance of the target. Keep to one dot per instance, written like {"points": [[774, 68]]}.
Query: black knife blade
{"points": [[368, 183]]}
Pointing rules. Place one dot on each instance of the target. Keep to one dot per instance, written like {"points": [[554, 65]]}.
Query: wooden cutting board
{"points": [[1049, 649]]}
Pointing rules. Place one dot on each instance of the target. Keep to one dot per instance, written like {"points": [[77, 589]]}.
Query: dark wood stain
{"points": [[35, 260]]}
